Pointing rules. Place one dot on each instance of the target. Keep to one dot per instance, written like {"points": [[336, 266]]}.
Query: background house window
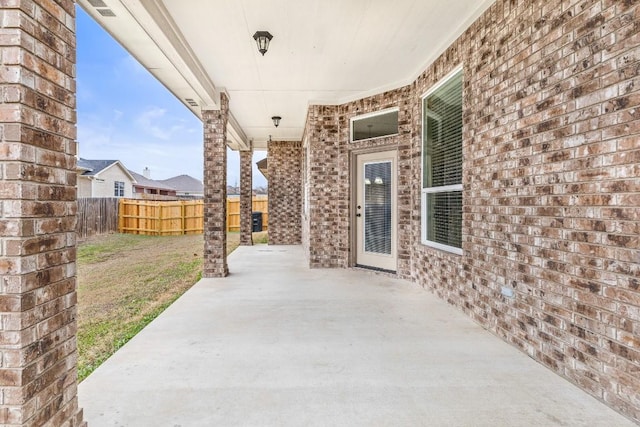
{"points": [[442, 165], [118, 189]]}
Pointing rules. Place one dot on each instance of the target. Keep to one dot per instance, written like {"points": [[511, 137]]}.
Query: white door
{"points": [[375, 210]]}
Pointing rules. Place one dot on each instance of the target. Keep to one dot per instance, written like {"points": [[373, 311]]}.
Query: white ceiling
{"points": [[323, 51]]}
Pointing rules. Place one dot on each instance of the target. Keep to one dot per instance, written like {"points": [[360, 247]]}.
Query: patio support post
{"points": [[246, 197], [215, 189], [38, 354]]}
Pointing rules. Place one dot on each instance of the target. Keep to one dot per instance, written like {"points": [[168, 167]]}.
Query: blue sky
{"points": [[125, 114]]}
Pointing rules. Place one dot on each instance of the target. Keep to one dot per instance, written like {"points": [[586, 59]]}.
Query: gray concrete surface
{"points": [[277, 344]]}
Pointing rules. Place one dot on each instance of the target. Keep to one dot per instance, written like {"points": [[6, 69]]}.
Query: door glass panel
{"points": [[377, 208]]}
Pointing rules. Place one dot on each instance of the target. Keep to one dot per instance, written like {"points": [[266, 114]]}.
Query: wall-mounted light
{"points": [[262, 39], [276, 120]]}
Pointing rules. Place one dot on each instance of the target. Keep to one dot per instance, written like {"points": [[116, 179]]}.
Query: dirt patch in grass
{"points": [[125, 281]]}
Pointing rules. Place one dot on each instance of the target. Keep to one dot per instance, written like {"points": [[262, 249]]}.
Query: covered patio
{"points": [[277, 343], [484, 150]]}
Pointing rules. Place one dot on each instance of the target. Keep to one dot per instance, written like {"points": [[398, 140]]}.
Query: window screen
{"points": [[442, 164]]}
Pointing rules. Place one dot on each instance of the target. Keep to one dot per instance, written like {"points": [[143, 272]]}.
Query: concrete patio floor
{"points": [[278, 344]]}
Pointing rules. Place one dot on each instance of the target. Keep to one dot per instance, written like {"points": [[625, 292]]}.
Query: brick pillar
{"points": [[285, 192], [38, 356], [215, 190], [246, 197]]}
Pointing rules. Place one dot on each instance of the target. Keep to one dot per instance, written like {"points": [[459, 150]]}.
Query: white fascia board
{"points": [[154, 18], [237, 139]]}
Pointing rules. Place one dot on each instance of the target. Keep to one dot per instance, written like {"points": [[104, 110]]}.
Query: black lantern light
{"points": [[262, 39], [276, 120]]}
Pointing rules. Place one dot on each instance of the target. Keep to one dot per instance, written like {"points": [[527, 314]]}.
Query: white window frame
{"points": [[118, 188], [442, 189], [368, 116]]}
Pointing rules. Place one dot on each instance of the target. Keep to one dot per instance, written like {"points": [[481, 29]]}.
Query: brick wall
{"points": [[246, 197], [305, 226], [285, 192], [550, 186], [400, 98], [38, 353], [330, 157], [215, 190], [328, 187]]}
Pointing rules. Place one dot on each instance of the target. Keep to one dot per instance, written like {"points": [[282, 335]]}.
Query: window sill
{"points": [[444, 248]]}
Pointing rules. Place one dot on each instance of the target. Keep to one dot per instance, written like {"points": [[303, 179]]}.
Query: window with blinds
{"points": [[442, 165], [377, 208]]}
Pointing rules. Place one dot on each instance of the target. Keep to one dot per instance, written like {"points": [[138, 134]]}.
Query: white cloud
{"points": [[149, 123]]}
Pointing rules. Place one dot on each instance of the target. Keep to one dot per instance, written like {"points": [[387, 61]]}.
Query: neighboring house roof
{"points": [[262, 167], [185, 184], [142, 181], [95, 167]]}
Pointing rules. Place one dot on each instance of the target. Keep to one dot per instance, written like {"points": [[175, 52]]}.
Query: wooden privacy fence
{"points": [[178, 217], [259, 204], [161, 218], [96, 216]]}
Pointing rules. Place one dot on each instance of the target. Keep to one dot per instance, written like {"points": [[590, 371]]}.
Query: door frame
{"points": [[353, 197]]}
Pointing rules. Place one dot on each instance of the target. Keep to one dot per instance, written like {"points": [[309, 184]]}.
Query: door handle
{"points": [[358, 215]]}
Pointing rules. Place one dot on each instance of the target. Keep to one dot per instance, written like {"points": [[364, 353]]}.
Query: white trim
{"points": [[483, 6], [369, 115], [423, 222], [430, 190], [458, 68], [443, 189], [446, 248], [375, 113], [121, 166], [455, 35], [362, 257]]}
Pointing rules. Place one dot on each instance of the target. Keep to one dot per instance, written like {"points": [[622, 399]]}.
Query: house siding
{"points": [[285, 192], [84, 187], [550, 186], [103, 184]]}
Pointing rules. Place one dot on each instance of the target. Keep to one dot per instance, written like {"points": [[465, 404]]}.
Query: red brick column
{"points": [[246, 197], [215, 190], [38, 353]]}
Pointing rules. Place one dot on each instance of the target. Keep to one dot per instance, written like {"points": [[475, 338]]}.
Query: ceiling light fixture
{"points": [[276, 120], [262, 39]]}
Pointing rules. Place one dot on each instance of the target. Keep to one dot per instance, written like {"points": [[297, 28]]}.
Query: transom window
{"points": [[375, 125], [442, 165]]}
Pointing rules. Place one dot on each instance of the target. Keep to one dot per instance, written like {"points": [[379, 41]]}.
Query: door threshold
{"points": [[376, 269]]}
